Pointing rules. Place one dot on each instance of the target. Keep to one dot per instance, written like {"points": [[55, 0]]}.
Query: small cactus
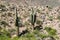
{"points": [[33, 17]]}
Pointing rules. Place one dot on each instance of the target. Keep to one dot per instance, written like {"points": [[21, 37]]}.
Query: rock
{"points": [[38, 27], [23, 32]]}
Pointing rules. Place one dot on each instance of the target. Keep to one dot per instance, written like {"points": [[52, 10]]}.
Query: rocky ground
{"points": [[49, 16], [52, 3]]}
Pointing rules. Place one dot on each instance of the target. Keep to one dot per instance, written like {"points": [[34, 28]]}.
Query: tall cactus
{"points": [[17, 22], [33, 17]]}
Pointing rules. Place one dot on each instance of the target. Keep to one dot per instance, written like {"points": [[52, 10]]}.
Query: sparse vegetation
{"points": [[51, 18], [50, 31]]}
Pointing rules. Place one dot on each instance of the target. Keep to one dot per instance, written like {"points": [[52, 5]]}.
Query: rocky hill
{"points": [[47, 16]]}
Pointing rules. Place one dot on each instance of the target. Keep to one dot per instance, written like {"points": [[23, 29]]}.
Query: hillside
{"points": [[46, 26]]}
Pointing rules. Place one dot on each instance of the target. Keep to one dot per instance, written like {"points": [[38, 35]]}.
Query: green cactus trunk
{"points": [[33, 18], [17, 23]]}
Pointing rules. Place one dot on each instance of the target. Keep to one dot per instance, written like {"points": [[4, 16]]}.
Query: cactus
{"points": [[18, 23], [33, 17], [17, 19]]}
